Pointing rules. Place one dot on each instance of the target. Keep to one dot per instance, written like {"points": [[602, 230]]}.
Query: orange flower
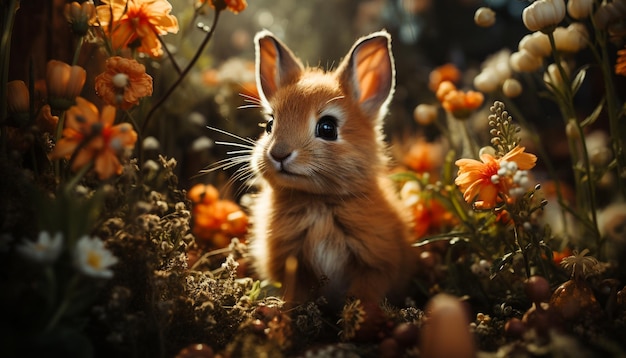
{"points": [[620, 64], [424, 157], [137, 23], [123, 83], [447, 72], [236, 6], [95, 138], [429, 215], [64, 83], [461, 104], [215, 221], [486, 182]]}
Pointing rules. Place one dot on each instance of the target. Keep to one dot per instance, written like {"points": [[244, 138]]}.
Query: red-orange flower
{"points": [[429, 215], [91, 136], [123, 83], [620, 64], [137, 23], [486, 182], [424, 157], [236, 6], [215, 221], [447, 72], [459, 103]]}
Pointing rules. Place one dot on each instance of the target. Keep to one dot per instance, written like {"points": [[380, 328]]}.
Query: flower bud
{"points": [[80, 16], [543, 15], [487, 81], [18, 104], [511, 88], [524, 61], [484, 17], [446, 334], [553, 77], [425, 114], [18, 98], [571, 131], [536, 43], [579, 9], [572, 38], [64, 83]]}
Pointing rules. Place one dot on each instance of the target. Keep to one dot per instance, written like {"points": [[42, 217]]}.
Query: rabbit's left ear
{"points": [[368, 74], [276, 65]]}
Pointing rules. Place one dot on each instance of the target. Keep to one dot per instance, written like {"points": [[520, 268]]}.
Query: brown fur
{"points": [[335, 211]]}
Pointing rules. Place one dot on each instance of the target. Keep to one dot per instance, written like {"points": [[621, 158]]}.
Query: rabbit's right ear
{"points": [[276, 65]]}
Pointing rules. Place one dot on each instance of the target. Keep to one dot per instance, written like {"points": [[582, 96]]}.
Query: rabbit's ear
{"points": [[368, 73], [276, 65]]}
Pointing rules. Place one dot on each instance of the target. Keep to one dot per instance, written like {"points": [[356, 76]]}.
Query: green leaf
{"points": [[594, 115], [501, 263], [579, 79]]}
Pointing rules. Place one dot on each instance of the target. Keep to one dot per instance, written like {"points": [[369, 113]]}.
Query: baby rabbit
{"points": [[326, 220]]}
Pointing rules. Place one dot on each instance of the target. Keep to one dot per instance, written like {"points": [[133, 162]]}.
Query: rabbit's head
{"points": [[322, 134]]}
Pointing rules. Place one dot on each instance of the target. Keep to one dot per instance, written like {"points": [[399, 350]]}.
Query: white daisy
{"points": [[45, 250], [93, 259]]}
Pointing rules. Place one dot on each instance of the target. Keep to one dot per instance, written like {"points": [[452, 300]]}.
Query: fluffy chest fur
{"points": [[352, 246]]}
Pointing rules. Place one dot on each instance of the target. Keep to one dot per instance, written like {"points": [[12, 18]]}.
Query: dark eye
{"points": [[326, 128], [268, 126]]}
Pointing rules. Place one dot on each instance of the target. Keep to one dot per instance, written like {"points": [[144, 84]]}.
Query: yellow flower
{"points": [[487, 181], [64, 83], [95, 138], [123, 83], [137, 23], [80, 16], [236, 6], [543, 15], [620, 64]]}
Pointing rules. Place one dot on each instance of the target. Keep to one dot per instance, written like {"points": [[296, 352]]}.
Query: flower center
{"points": [[120, 80], [94, 260]]}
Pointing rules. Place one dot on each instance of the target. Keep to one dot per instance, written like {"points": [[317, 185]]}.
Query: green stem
{"points": [[542, 154], [614, 111], [180, 79], [588, 203], [169, 54], [58, 135], [79, 46], [64, 305], [79, 175], [8, 19]]}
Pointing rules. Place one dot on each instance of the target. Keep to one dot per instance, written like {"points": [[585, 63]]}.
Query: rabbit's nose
{"points": [[279, 156], [280, 152]]}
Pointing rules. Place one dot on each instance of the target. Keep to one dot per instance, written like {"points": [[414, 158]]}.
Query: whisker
{"points": [[239, 145], [248, 106], [247, 140], [334, 99], [249, 98], [243, 151]]}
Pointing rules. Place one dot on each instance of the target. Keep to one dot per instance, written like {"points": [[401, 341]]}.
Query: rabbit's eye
{"points": [[268, 126], [326, 128]]}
